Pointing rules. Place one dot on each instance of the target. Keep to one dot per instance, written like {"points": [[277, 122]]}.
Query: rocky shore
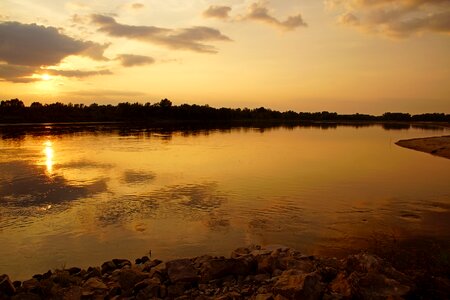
{"points": [[250, 273], [439, 146]]}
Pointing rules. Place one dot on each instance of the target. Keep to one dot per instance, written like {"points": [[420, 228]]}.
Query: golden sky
{"points": [[347, 56]]}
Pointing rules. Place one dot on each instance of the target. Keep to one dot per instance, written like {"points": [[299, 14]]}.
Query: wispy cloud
{"points": [[193, 38], [131, 60], [215, 11], [137, 6], [259, 12], [400, 18]]}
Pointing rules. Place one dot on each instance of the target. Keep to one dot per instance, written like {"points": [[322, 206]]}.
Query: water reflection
{"points": [[116, 192], [49, 152]]}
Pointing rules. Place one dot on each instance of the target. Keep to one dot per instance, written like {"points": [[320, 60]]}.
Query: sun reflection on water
{"points": [[48, 150]]}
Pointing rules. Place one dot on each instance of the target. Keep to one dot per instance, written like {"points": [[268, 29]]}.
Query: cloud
{"points": [[17, 74], [400, 18], [77, 73], [27, 49], [34, 45], [192, 38], [137, 6], [220, 12], [130, 60], [257, 11]]}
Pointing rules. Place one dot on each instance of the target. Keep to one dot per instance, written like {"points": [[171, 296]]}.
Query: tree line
{"points": [[15, 111]]}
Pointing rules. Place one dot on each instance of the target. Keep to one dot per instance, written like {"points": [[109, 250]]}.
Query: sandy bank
{"points": [[273, 273], [439, 146]]}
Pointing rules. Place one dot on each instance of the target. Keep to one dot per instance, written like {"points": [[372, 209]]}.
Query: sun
{"points": [[46, 77]]}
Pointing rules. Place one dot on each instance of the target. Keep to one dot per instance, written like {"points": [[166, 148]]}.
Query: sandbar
{"points": [[439, 146]]}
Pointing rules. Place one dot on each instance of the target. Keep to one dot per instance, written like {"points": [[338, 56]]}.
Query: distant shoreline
{"points": [[439, 146]]}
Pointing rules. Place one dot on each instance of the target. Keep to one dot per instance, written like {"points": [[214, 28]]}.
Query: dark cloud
{"points": [[34, 45], [192, 38], [220, 12], [400, 18], [17, 74], [26, 49], [130, 60], [259, 12]]}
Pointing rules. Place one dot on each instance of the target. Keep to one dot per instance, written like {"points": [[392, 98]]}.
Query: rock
{"points": [[264, 297], [182, 270], [72, 293], [108, 267], [148, 288], [74, 270], [266, 263], [120, 263], [30, 285], [128, 278], [92, 272], [294, 284], [304, 265], [26, 296], [6, 286], [221, 267], [240, 252], [376, 286], [177, 288], [148, 265], [94, 284], [341, 286]]}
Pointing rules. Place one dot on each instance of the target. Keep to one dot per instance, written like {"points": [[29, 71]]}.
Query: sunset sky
{"points": [[367, 56]]}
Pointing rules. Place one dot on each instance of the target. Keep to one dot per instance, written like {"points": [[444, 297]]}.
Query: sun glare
{"points": [[48, 151], [46, 77]]}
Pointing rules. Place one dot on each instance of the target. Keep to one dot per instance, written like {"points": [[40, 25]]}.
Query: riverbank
{"points": [[439, 146], [250, 273]]}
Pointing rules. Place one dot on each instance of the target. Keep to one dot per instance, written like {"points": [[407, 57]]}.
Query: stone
{"points": [[6, 286], [30, 284], [182, 270], [294, 284], [177, 289], [108, 267], [240, 252], [286, 263], [92, 272], [341, 286], [26, 296], [120, 263], [94, 284], [146, 289], [222, 267], [264, 296], [374, 285], [128, 278], [74, 270], [149, 264], [72, 293]]}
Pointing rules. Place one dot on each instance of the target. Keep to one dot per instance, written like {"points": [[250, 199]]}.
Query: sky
{"points": [[348, 56]]}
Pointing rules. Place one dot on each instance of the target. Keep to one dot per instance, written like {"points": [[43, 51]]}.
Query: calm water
{"points": [[80, 197]]}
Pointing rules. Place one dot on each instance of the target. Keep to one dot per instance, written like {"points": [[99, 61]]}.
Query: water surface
{"points": [[82, 195]]}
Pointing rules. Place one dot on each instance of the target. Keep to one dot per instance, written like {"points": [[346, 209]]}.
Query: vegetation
{"points": [[14, 111]]}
